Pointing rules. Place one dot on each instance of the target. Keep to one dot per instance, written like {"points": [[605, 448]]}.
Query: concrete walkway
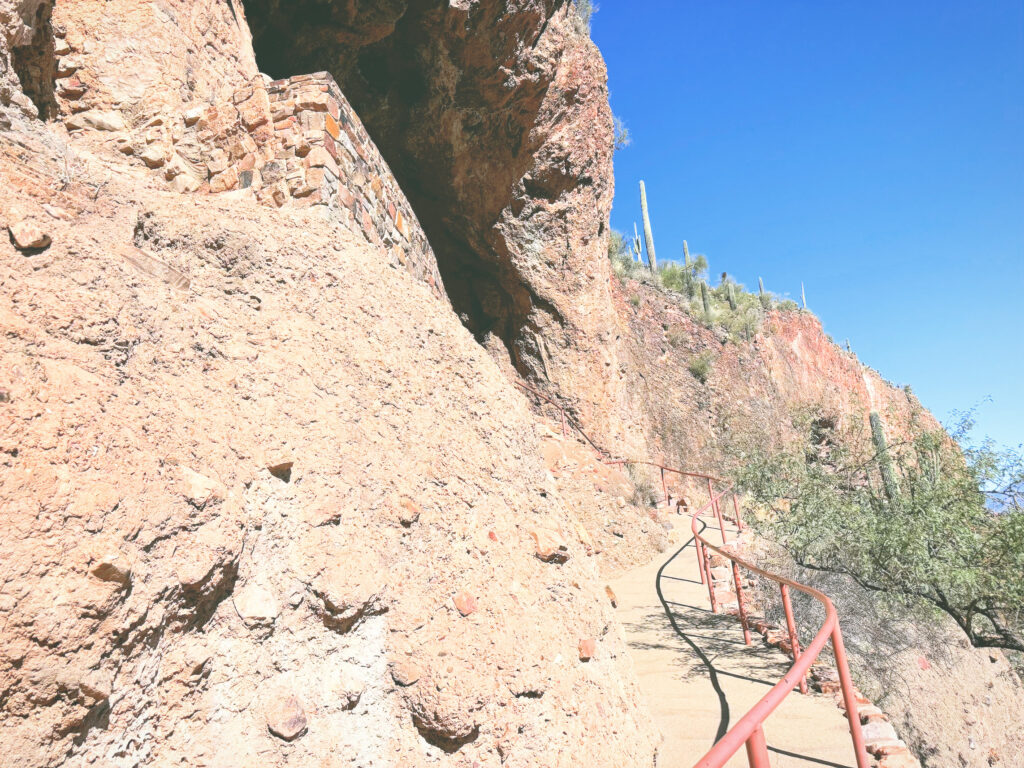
{"points": [[699, 678]]}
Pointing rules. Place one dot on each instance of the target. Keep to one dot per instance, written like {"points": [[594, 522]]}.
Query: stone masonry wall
{"points": [[327, 160], [294, 142], [298, 142]]}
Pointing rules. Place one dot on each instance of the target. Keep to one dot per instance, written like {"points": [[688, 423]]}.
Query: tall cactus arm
{"points": [[652, 259]]}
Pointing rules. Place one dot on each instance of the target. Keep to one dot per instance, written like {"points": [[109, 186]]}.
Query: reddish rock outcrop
{"points": [[495, 119], [27, 59], [752, 390]]}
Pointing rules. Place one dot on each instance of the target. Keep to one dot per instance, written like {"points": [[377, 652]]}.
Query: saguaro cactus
{"points": [[803, 295], [686, 254], [704, 297], [652, 260], [637, 253], [766, 301], [892, 488], [731, 295]]}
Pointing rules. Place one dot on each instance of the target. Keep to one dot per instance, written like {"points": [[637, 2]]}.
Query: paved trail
{"points": [[700, 680]]}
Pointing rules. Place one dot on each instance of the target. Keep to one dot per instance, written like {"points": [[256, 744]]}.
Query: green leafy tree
{"points": [[950, 534]]}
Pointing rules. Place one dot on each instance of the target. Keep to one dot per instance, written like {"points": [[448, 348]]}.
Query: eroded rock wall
{"points": [[267, 502], [495, 119], [190, 106], [752, 390], [25, 66], [493, 116]]}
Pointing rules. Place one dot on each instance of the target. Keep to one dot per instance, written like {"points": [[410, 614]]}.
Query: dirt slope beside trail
{"points": [[266, 502]]}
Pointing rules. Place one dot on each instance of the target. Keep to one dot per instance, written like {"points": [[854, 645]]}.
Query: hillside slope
{"points": [[259, 485], [954, 704], [267, 497]]}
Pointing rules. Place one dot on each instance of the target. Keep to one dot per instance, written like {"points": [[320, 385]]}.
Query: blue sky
{"points": [[873, 150]]}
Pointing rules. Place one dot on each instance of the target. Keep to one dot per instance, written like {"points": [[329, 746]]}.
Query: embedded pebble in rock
{"points": [[256, 605], [281, 469], [409, 512], [111, 568], [550, 547], [465, 603], [285, 717], [587, 648], [153, 157], [95, 686], [29, 236], [104, 121], [404, 672]]}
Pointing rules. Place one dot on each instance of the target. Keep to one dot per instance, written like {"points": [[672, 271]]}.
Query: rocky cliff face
{"points": [[26, 60], [751, 389], [495, 119], [493, 116], [244, 523], [266, 499]]}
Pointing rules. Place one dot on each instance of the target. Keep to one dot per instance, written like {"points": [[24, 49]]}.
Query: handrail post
{"points": [[700, 558], [794, 641], [736, 507], [739, 602], [757, 749], [721, 522], [711, 581], [716, 509], [849, 697]]}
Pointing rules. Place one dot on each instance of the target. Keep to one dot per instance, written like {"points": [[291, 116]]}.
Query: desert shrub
{"points": [[644, 494], [738, 312], [584, 10], [730, 307], [634, 300], [617, 248], [948, 533], [683, 278], [623, 138], [677, 335], [700, 366], [626, 269]]}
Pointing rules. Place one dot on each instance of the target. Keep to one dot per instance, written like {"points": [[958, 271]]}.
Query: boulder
{"points": [[29, 236]]}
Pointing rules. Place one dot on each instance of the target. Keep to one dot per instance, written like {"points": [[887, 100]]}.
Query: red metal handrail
{"points": [[565, 416], [749, 730]]}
